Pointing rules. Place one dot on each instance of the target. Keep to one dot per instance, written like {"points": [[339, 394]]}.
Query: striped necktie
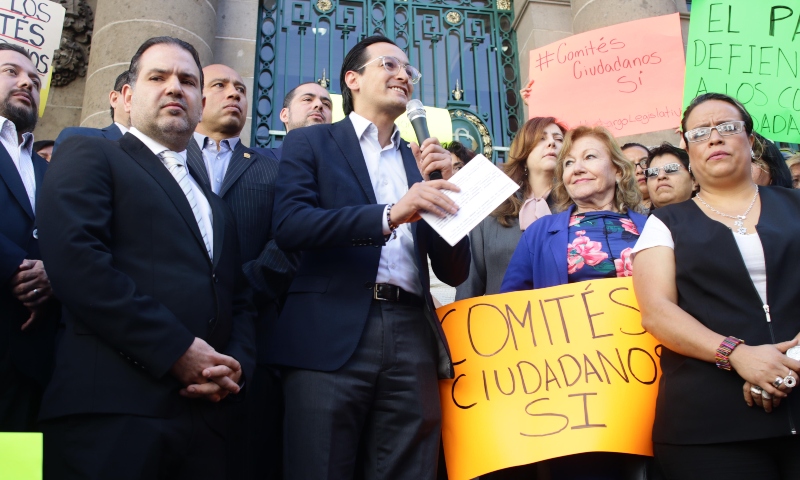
{"points": [[177, 167]]}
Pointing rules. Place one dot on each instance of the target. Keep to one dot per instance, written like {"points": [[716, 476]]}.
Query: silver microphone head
{"points": [[415, 109]]}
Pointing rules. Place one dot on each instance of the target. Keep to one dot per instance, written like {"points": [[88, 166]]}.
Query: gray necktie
{"points": [[177, 167]]}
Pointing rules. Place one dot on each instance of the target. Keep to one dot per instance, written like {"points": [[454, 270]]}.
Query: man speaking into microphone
{"points": [[358, 340]]}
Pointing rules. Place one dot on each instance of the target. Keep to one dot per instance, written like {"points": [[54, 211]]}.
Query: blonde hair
{"points": [[626, 192], [793, 160]]}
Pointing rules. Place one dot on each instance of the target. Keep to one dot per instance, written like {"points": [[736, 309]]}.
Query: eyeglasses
{"points": [[724, 129], [668, 168], [641, 164], [393, 66]]}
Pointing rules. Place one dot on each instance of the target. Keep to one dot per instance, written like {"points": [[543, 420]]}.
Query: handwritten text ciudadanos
{"points": [[749, 50], [545, 373], [626, 77]]}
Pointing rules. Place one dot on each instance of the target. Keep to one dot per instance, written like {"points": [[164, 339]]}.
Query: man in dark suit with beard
{"points": [[27, 320], [306, 104], [159, 323]]}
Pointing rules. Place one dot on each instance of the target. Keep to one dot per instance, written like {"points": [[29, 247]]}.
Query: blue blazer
{"points": [[325, 207], [110, 132], [540, 259], [249, 190], [31, 351], [273, 153]]}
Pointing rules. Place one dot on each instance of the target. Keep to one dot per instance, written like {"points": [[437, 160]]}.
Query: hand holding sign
{"points": [[546, 373]]}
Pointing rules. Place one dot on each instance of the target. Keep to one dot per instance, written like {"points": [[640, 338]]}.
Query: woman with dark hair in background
{"points": [[769, 165], [637, 154], [460, 154], [716, 281], [669, 179], [531, 164]]}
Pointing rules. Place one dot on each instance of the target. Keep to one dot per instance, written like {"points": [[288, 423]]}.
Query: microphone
{"points": [[416, 115]]}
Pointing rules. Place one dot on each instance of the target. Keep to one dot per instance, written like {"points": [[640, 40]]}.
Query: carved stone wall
{"points": [[72, 57]]}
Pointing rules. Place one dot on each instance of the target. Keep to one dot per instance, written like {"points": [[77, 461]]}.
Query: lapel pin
{"points": [[246, 155]]}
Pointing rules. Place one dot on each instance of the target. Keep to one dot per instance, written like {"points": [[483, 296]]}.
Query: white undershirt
{"points": [[656, 234], [387, 173]]}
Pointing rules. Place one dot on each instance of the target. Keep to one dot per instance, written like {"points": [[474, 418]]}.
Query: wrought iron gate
{"points": [[465, 49]]}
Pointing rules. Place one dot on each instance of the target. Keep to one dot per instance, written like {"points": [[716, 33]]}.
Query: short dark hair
{"points": [[16, 48], [667, 148], [634, 144], [40, 144], [460, 151], [133, 69], [748, 120], [122, 80], [287, 100], [772, 157], [355, 59]]}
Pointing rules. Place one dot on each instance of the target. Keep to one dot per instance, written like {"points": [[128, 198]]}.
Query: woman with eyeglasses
{"points": [[637, 154], [716, 279], [668, 177]]}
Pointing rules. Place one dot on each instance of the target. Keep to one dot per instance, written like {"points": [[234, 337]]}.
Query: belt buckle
{"points": [[384, 289]]}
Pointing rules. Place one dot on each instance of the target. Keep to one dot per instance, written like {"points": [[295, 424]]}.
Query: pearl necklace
{"points": [[738, 219]]}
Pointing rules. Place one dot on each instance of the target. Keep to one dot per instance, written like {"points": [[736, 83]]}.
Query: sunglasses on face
{"points": [[724, 129], [668, 168], [393, 66]]}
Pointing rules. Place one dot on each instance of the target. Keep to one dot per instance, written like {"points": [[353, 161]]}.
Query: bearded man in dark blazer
{"points": [[159, 323]]}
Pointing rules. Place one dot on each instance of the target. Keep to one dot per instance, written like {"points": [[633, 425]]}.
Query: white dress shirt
{"points": [[21, 156], [122, 129], [398, 264], [202, 201], [216, 160]]}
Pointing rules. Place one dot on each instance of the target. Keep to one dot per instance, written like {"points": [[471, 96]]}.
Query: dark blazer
{"points": [[540, 259], [325, 207], [273, 153], [697, 402], [249, 190], [110, 132], [31, 351], [125, 256]]}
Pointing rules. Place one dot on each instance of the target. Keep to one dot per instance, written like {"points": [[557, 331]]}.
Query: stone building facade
{"points": [[224, 31]]}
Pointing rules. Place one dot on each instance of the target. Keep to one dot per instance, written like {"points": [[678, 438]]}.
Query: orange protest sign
{"points": [[626, 77], [545, 373]]}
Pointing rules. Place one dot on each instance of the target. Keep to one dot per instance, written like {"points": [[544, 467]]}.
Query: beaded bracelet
{"points": [[724, 350], [392, 226]]}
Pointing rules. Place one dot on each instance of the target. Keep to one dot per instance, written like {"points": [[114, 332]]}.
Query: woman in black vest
{"points": [[716, 279]]}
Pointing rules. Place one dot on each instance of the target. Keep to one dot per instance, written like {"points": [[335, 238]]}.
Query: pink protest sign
{"points": [[626, 77]]}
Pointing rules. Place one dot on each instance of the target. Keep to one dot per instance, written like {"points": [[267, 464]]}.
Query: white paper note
{"points": [[483, 188]]}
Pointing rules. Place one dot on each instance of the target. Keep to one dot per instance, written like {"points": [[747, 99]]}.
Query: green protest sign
{"points": [[21, 456], [748, 49]]}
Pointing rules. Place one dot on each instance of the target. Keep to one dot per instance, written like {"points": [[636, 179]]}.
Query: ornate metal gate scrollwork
{"points": [[465, 49]]}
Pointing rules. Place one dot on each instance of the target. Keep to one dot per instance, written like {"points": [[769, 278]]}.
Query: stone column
{"points": [[122, 25], [592, 14]]}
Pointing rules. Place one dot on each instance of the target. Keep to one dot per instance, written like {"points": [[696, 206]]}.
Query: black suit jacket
{"points": [[125, 256], [31, 350], [325, 207], [110, 132], [274, 153], [249, 190]]}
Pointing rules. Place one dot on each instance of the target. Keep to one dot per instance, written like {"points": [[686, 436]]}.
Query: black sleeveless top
{"points": [[699, 403]]}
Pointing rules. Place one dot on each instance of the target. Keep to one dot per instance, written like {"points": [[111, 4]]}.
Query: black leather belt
{"points": [[392, 293]]}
